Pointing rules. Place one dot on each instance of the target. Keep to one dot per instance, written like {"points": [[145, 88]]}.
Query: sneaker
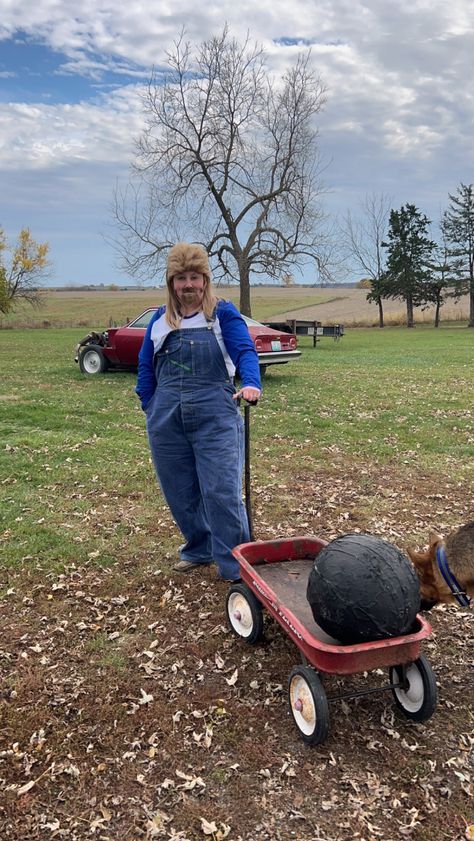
{"points": [[187, 566]]}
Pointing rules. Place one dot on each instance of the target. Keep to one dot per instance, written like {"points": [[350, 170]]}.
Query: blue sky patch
{"points": [[293, 42], [31, 72], [306, 42]]}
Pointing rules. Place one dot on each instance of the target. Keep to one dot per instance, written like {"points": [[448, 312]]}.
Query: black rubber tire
{"points": [[312, 720], [418, 701], [92, 360], [244, 613]]}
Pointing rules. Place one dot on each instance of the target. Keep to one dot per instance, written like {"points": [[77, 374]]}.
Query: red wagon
{"points": [[275, 576]]}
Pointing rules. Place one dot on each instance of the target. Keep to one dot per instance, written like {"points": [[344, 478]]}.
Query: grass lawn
{"points": [[121, 714], [396, 399]]}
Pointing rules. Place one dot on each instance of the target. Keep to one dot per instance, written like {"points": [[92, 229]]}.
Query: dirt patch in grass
{"points": [[128, 710]]}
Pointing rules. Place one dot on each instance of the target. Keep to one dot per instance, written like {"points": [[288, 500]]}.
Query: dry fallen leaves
{"points": [[211, 828], [100, 647], [232, 680]]}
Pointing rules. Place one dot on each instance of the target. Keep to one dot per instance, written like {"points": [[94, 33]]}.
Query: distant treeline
{"points": [[100, 287], [115, 287]]}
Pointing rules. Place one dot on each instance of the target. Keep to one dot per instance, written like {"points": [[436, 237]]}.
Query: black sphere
{"points": [[362, 588]]}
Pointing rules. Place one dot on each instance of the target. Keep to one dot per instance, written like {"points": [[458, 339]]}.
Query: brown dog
{"points": [[457, 560]]}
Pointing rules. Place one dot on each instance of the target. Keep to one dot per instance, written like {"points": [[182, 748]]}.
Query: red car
{"points": [[119, 347]]}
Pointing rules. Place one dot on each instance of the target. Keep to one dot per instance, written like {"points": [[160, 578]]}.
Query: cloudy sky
{"points": [[399, 117]]}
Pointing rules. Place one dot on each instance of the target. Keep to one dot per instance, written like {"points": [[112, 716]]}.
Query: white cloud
{"points": [[400, 100], [49, 136]]}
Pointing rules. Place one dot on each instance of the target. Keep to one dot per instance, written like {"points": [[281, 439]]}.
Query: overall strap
{"points": [[211, 320]]}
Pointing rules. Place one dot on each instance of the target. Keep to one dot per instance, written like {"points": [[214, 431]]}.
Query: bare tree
{"points": [[440, 280], [229, 153], [362, 239], [446, 274]]}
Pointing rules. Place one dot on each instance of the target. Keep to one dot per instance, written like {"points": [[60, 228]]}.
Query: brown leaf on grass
{"points": [[220, 663], [190, 782], [29, 785], [145, 699], [210, 828], [232, 680], [26, 787], [156, 823]]}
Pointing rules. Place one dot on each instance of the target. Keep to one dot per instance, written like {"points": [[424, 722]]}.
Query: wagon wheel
{"points": [[308, 704], [244, 613], [416, 696]]}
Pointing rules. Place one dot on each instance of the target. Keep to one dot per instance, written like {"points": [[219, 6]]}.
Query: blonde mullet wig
{"points": [[188, 257]]}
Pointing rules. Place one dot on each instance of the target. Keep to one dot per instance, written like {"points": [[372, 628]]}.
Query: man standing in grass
{"points": [[190, 354]]}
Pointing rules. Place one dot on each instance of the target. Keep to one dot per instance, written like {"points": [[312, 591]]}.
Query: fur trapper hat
{"points": [[187, 257]]}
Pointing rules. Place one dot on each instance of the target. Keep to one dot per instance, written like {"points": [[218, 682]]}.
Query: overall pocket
{"points": [[169, 360], [198, 355]]}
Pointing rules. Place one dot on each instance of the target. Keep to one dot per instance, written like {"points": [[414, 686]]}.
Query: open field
{"points": [[127, 709], [103, 308], [353, 309]]}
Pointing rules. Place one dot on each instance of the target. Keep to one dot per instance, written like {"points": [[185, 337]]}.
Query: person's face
{"points": [[189, 288]]}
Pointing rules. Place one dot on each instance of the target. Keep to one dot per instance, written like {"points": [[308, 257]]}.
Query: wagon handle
{"points": [[248, 500]]}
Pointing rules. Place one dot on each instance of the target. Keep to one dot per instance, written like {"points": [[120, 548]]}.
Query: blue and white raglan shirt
{"points": [[232, 337]]}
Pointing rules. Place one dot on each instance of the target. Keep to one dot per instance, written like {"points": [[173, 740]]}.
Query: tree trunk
{"points": [[245, 307], [380, 306], [471, 309], [410, 322], [436, 323]]}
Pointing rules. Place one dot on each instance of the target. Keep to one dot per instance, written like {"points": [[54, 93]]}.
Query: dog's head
{"points": [[433, 588]]}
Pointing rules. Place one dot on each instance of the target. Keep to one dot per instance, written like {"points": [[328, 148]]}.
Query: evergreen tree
{"points": [[409, 250], [458, 226]]}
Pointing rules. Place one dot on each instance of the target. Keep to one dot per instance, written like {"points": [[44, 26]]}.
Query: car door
{"points": [[128, 340]]}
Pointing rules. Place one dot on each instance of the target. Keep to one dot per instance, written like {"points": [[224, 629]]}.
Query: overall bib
{"points": [[195, 431]]}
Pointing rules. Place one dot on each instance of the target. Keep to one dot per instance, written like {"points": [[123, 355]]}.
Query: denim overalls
{"points": [[196, 439]]}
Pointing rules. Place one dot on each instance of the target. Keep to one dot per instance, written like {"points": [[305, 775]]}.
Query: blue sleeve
{"points": [[239, 344], [146, 380]]}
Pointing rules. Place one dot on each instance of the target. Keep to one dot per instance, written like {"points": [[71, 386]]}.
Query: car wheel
{"points": [[308, 705], [244, 613], [416, 696], [92, 360]]}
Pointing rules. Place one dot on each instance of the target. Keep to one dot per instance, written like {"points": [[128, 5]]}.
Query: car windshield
{"points": [[142, 320]]}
